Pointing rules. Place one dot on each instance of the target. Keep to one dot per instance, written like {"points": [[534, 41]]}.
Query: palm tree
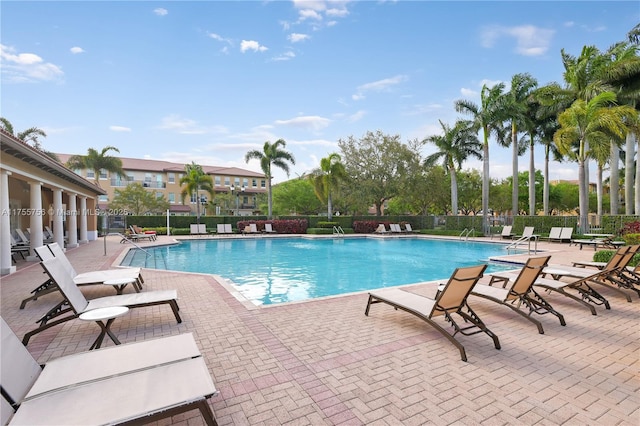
{"points": [[195, 180], [97, 161], [30, 135], [271, 155], [326, 179], [489, 117], [591, 122], [455, 145], [522, 85]]}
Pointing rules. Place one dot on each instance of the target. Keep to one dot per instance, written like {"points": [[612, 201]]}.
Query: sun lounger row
{"points": [[515, 291], [394, 228], [134, 383]]}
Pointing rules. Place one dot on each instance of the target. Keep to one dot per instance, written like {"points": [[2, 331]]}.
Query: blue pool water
{"points": [[275, 270]]}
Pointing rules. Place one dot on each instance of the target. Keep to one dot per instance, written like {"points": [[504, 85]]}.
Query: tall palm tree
{"points": [[455, 145], [96, 161], [488, 116], [327, 178], [522, 85], [195, 180], [271, 155], [593, 121]]}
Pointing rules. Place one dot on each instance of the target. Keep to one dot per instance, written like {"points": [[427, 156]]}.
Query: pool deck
{"points": [[323, 362]]}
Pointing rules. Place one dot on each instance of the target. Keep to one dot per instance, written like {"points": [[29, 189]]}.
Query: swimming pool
{"points": [[276, 270]]}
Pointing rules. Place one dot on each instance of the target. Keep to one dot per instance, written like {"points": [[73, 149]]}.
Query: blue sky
{"points": [[208, 81]]}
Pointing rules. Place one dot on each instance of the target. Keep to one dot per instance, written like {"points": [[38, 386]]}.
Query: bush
{"points": [[327, 231], [329, 225], [631, 238], [286, 226], [603, 255], [367, 226]]}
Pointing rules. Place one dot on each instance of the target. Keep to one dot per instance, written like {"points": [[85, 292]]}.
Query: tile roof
{"points": [[167, 166]]}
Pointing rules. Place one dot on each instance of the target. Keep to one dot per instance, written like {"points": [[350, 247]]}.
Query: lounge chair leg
{"points": [[45, 288], [475, 320], [463, 354], [175, 309], [207, 414], [543, 307]]}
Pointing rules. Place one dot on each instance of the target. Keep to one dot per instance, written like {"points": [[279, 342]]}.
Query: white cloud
{"points": [[468, 93], [530, 40], [75, 50], [378, 86], [187, 126], [161, 11], [119, 129], [489, 83], [285, 56], [356, 116], [309, 14], [339, 13], [251, 45], [219, 38], [26, 67], [569, 24], [296, 37], [313, 122]]}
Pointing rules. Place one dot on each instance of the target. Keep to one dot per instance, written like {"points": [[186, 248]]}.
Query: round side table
{"points": [[99, 316]]}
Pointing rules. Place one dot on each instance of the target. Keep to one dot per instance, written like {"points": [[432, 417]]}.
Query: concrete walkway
{"points": [[323, 362]]}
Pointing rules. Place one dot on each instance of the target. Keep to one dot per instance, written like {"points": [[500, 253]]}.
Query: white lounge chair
{"points": [[198, 229], [381, 229], [566, 234], [74, 303], [555, 234], [506, 232], [131, 276], [138, 383], [268, 229]]}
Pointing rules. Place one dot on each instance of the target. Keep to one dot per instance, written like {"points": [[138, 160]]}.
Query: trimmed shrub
{"points": [[288, 226]]}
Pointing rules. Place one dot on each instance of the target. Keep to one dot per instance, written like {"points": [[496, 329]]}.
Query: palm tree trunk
{"points": [[269, 201], [454, 191], [197, 207], [599, 189], [583, 197], [629, 202], [532, 179], [514, 167], [329, 207], [614, 179], [545, 190], [485, 183], [636, 186]]}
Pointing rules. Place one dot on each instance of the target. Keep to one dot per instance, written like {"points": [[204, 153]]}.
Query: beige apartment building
{"points": [[238, 188]]}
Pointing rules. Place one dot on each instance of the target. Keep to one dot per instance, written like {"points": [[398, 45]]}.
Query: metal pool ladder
{"points": [[465, 233], [337, 230]]}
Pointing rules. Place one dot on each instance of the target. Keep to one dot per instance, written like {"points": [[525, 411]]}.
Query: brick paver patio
{"points": [[323, 362]]}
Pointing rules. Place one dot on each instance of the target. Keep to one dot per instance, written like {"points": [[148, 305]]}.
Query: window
{"points": [[254, 183], [90, 174], [245, 182], [263, 183], [227, 181], [193, 198], [236, 181], [147, 180], [159, 194], [130, 177], [172, 178], [103, 198], [172, 197], [217, 180], [103, 174]]}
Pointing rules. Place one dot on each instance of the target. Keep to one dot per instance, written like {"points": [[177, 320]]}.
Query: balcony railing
{"points": [[146, 184]]}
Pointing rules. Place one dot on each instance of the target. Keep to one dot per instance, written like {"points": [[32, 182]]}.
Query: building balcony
{"points": [[147, 184]]}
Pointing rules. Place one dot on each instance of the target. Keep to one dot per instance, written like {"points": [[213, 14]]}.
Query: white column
{"points": [[83, 220], [58, 218], [5, 224], [72, 222], [35, 221]]}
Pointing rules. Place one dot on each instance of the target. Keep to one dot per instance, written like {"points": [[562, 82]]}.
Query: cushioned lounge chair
{"points": [[407, 228], [268, 229], [450, 300], [507, 232], [86, 278], [128, 384], [74, 303], [198, 229], [555, 234], [381, 229], [615, 275], [518, 293], [566, 234]]}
